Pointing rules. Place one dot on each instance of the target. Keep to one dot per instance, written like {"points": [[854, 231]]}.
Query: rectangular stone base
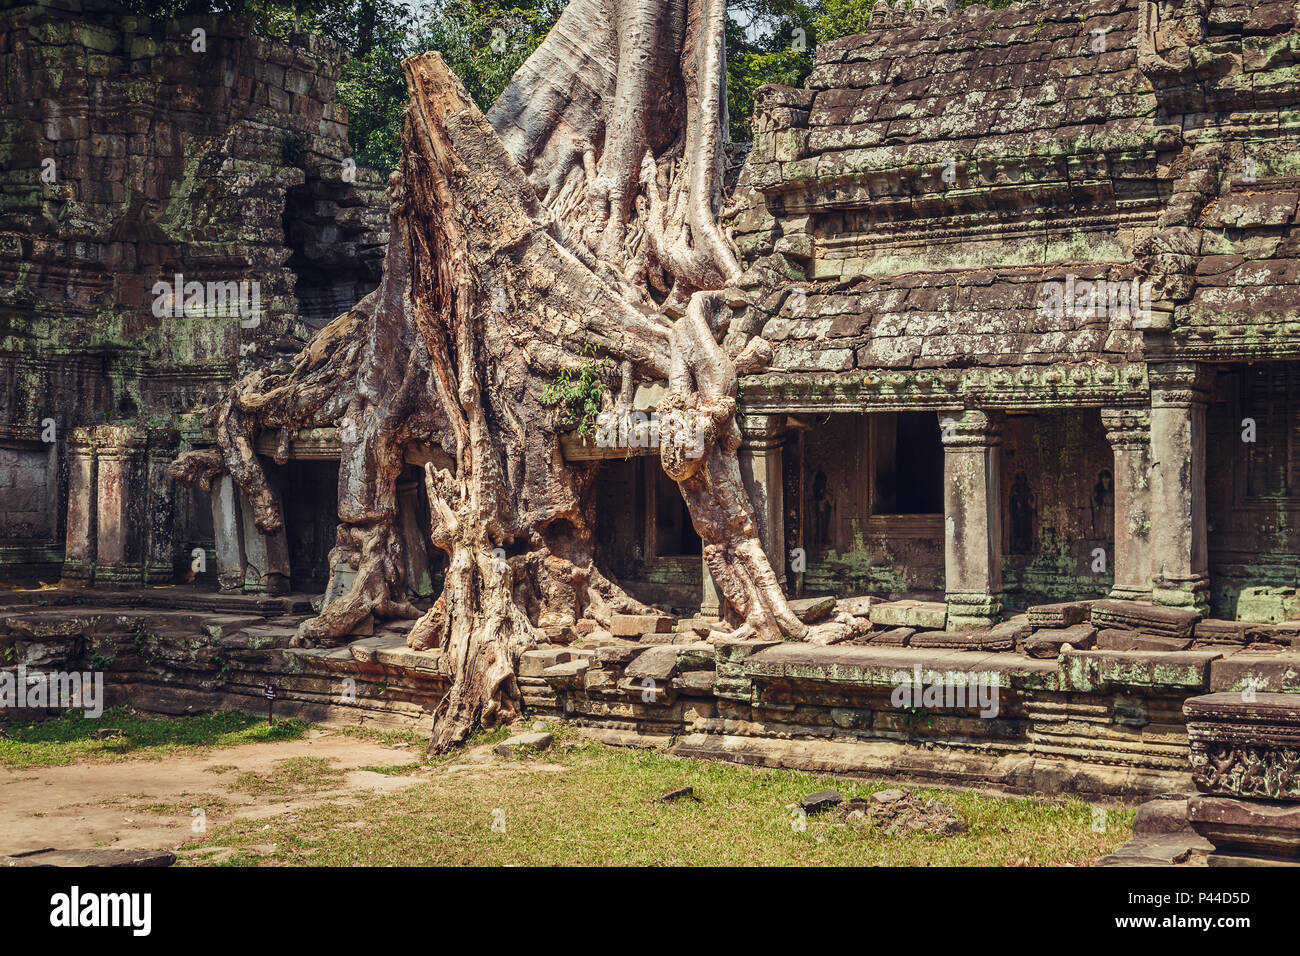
{"points": [[1258, 831]]}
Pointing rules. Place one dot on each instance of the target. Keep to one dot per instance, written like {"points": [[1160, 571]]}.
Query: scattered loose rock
{"points": [[679, 794], [821, 800], [902, 812]]}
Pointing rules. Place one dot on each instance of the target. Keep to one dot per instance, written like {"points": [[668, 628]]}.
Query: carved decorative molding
{"points": [[1026, 387]]}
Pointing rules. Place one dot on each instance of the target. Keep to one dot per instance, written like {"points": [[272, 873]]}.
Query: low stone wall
{"points": [[178, 662], [1088, 722], [1094, 722]]}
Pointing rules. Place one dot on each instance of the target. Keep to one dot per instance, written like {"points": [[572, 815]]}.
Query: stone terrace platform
{"points": [[1086, 721]]}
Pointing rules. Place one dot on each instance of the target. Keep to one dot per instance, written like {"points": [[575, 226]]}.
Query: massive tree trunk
{"points": [[590, 221]]}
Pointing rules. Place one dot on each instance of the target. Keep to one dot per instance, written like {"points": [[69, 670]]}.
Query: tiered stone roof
{"points": [[936, 173]]}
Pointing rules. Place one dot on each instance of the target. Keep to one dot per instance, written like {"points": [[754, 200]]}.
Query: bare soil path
{"points": [[164, 803]]}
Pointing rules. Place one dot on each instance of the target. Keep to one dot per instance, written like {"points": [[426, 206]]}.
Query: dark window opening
{"points": [[310, 490], [674, 534], [1268, 425], [908, 464], [338, 250]]}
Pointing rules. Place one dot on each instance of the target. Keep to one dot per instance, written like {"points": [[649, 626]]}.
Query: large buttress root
{"points": [[703, 384], [502, 306], [610, 142], [619, 122]]}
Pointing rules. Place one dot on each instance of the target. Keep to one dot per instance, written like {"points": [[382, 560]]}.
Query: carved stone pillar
{"points": [[972, 503], [710, 600], [762, 472], [79, 547], [1129, 433], [159, 525], [228, 534], [121, 504], [1180, 552]]}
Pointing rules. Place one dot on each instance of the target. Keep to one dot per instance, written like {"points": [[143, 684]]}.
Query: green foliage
{"points": [[486, 41], [768, 41], [580, 394]]}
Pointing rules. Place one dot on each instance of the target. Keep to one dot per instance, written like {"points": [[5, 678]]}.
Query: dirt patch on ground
{"points": [[164, 803]]}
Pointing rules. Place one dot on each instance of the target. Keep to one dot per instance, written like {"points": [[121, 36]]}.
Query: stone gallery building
{"points": [[179, 207], [1037, 312]]}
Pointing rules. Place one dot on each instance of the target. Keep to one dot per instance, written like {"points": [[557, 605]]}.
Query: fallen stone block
{"points": [[679, 794], [828, 633], [695, 656], [535, 662], [533, 741], [1059, 615], [567, 673], [962, 640], [1149, 618], [918, 614], [616, 654], [93, 857], [1016, 630], [1048, 643], [1161, 816], [1212, 631], [812, 609], [1115, 639], [894, 637], [821, 800], [1280, 634], [1246, 832], [695, 682], [656, 663], [634, 625], [604, 639], [857, 606]]}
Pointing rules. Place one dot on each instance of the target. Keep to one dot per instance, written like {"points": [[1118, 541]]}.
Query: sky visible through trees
{"points": [[485, 41]]}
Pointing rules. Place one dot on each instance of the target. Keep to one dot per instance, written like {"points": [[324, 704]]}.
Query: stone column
{"points": [[79, 547], [160, 545], [266, 556], [762, 472], [972, 504], [1180, 552], [710, 600], [120, 505], [1129, 433], [228, 534]]}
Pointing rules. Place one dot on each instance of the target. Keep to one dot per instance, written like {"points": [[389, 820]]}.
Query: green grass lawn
{"points": [[603, 808], [72, 737]]}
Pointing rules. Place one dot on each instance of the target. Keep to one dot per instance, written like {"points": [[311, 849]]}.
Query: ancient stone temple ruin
{"points": [[1030, 282], [172, 217]]}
